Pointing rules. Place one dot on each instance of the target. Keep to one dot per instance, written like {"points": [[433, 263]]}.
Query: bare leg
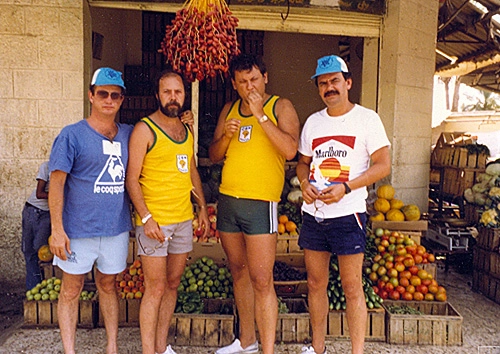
{"points": [[235, 248], [261, 252], [175, 268], [108, 302], [317, 265], [356, 312], [155, 281], [67, 309]]}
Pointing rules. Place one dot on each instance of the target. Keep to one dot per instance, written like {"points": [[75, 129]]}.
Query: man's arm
{"points": [[59, 242], [222, 136], [200, 198], [139, 142], [284, 136], [40, 189], [309, 192]]}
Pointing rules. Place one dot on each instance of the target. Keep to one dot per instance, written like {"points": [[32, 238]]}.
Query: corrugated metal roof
{"points": [[468, 42]]}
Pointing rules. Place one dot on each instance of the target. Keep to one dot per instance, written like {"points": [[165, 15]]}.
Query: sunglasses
{"points": [[105, 94], [149, 251]]}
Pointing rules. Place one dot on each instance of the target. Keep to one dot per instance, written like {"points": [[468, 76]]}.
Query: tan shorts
{"points": [[178, 240]]}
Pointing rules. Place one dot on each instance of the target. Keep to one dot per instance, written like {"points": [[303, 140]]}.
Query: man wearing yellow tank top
{"points": [[254, 136], [160, 178]]}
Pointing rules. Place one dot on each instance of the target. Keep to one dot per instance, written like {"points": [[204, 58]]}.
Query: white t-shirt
{"points": [[340, 148]]}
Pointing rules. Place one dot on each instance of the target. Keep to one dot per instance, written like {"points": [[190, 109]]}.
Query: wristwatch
{"points": [[347, 188], [263, 119]]}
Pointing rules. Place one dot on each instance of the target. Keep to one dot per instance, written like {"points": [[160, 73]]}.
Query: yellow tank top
{"points": [[165, 177], [253, 168]]}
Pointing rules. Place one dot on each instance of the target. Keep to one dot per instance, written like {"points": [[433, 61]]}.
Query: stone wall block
{"points": [[71, 22], [58, 114], [6, 143], [19, 113], [43, 21], [6, 83], [12, 19], [58, 3], [37, 84], [61, 53], [18, 52], [73, 86], [410, 150], [39, 148], [409, 176]]}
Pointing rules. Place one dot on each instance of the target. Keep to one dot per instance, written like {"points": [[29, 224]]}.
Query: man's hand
{"points": [[60, 244], [256, 103], [332, 194], [230, 127], [153, 230], [187, 117]]}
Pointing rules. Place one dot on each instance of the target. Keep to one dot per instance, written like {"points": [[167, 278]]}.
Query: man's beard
{"points": [[171, 109]]}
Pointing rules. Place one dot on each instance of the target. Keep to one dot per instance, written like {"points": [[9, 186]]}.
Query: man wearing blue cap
{"points": [[336, 147], [90, 212]]}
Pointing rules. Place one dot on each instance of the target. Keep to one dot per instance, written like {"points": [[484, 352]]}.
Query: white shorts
{"points": [[108, 253]]}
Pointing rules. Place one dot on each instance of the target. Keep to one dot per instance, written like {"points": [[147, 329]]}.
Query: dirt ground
{"points": [[480, 328]]}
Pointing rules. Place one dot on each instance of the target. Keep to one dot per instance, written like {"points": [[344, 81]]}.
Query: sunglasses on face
{"points": [[105, 94]]}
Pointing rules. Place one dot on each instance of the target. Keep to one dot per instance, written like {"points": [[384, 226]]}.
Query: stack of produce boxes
{"points": [[40, 305], [486, 263]]}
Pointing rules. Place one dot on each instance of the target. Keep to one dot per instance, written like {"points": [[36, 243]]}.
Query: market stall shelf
{"points": [[337, 327]]}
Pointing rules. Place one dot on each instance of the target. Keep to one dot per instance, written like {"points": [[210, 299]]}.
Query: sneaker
{"points": [[169, 350], [235, 348], [309, 349]]}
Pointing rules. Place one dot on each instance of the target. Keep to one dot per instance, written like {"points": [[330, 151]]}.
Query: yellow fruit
{"points": [[411, 212], [395, 215], [283, 219], [386, 191], [44, 253], [290, 226], [377, 217], [281, 228], [396, 204], [382, 205]]}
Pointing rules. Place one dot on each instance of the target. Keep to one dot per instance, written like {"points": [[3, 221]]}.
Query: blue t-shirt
{"points": [[95, 201]]}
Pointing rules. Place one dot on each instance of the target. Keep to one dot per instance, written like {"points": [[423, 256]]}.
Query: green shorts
{"points": [[252, 217]]}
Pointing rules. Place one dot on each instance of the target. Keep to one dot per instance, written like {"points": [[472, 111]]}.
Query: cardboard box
{"points": [[337, 327], [440, 324], [208, 249]]}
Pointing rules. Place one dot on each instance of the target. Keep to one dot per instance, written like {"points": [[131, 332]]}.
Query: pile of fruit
{"points": [[336, 294], [130, 282], [201, 39], [290, 218], [205, 277], [48, 290], [395, 269], [287, 227], [392, 209], [198, 231], [285, 272]]}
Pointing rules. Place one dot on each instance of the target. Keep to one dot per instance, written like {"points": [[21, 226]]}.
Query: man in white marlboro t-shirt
{"points": [[336, 147]]}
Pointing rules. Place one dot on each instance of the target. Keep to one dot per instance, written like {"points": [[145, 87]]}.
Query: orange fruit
{"points": [[283, 219], [281, 228], [382, 205], [290, 226], [386, 191], [395, 215], [44, 253]]}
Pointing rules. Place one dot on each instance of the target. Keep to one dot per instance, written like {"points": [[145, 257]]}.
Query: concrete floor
{"points": [[481, 331]]}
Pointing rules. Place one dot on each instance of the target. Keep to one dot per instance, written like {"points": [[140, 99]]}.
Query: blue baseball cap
{"points": [[330, 64], [107, 76]]}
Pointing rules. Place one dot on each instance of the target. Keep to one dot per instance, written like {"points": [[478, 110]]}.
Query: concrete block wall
{"points": [[407, 59], [41, 90]]}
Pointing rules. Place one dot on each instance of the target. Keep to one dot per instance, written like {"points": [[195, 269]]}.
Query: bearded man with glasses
{"points": [[336, 147], [90, 210]]}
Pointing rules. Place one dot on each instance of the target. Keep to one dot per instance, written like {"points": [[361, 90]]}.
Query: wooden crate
{"points": [[132, 250], [291, 288], [472, 213], [481, 259], [294, 327], [480, 281], [208, 329], [128, 313], [419, 225], [337, 327], [489, 238], [495, 264], [440, 324], [288, 244], [493, 288], [44, 313]]}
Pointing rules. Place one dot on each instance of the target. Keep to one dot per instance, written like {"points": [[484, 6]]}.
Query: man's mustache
{"points": [[330, 93]]}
